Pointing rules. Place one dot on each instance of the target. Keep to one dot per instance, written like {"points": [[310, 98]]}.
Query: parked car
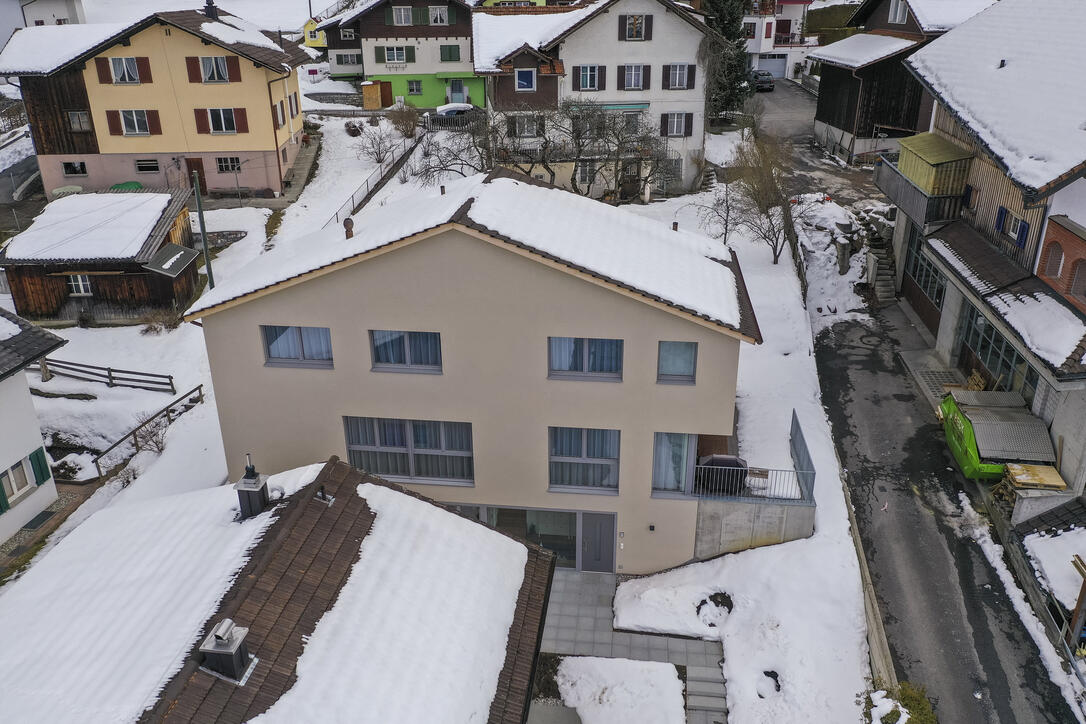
{"points": [[762, 80]]}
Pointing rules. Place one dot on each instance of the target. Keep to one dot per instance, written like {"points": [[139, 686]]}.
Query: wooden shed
{"points": [[938, 166], [85, 258]]}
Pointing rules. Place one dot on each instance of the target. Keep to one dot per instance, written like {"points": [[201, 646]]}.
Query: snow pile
{"points": [[862, 49], [234, 31], [108, 616], [977, 528], [1048, 327], [1040, 136], [882, 704], [90, 226], [8, 329], [319, 82], [419, 630], [16, 145], [720, 147], [621, 691], [1051, 556], [784, 617], [943, 15], [44, 48], [496, 36], [818, 235]]}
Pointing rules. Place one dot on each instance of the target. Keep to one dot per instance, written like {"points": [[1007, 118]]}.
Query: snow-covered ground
{"points": [[1051, 557], [16, 151], [977, 528], [100, 624], [719, 147], [882, 705], [621, 691], [785, 618], [285, 15], [321, 83]]}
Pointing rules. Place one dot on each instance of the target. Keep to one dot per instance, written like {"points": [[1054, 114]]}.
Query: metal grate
{"points": [[934, 379]]}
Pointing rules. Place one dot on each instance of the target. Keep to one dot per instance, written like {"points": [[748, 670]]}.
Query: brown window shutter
{"points": [[282, 113], [113, 120], [621, 78], [576, 77], [601, 77], [105, 75], [233, 68], [241, 120], [691, 70], [688, 125], [646, 76], [275, 117], [154, 123], [193, 65], [648, 27], [663, 124], [297, 106], [143, 68], [203, 123], [621, 27], [665, 81]]}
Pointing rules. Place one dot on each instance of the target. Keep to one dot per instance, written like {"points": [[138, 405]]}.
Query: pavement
{"points": [[17, 215], [950, 624]]}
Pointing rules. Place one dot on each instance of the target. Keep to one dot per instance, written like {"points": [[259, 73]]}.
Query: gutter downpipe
{"points": [[275, 128]]}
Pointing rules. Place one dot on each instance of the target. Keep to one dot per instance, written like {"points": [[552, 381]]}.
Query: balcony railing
{"points": [[794, 39], [910, 198], [759, 484]]}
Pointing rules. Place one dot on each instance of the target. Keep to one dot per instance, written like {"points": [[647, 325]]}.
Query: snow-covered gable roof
{"points": [[497, 35], [1012, 94], [348, 16], [44, 48], [857, 51], [107, 617], [942, 15], [676, 268], [22, 343], [105, 226]]}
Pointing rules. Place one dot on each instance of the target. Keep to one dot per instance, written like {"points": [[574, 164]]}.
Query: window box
{"points": [[395, 351], [297, 346], [580, 358]]}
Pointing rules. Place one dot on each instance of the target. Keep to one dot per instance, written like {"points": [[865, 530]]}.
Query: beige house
{"points": [[552, 364]]}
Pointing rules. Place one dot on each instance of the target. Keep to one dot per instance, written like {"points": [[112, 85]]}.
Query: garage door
{"points": [[775, 63]]}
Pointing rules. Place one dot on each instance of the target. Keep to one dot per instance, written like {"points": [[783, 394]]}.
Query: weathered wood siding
{"points": [[890, 99], [39, 292], [879, 19], [838, 93], [48, 101], [545, 96]]}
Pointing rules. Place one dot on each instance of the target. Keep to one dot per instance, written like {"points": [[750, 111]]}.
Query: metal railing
{"points": [[184, 402], [110, 376], [751, 484], [371, 181], [910, 198], [794, 39]]}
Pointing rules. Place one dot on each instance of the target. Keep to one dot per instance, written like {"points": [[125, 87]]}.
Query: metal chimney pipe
{"points": [[674, 225], [211, 11], [348, 227]]}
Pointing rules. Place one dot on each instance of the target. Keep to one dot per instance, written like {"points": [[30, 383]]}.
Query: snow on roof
{"points": [[634, 251], [8, 329], [1051, 557], [943, 15], [613, 691], [946, 252], [1050, 329], [110, 614], [1011, 94], [90, 226], [233, 30], [497, 35], [44, 48], [430, 602], [862, 49]]}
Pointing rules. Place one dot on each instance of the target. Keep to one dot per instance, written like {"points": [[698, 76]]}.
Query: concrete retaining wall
{"points": [[727, 526]]}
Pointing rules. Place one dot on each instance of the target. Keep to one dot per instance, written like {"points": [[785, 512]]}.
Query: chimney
{"points": [[252, 490], [442, 190], [225, 651], [211, 11], [1002, 62], [348, 227], [674, 225]]}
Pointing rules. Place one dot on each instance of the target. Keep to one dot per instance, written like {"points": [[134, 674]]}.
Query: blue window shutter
{"points": [[3, 500], [1023, 235], [1001, 218], [41, 467]]}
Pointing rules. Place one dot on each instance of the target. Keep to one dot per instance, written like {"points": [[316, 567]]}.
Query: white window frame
{"points": [[593, 72], [134, 116], [292, 108], [392, 56], [314, 34], [64, 170], [516, 79], [676, 125], [211, 70], [28, 478], [637, 71], [899, 12], [442, 13], [637, 28], [84, 124], [123, 72], [228, 164], [147, 161], [675, 72], [400, 13], [352, 59], [586, 171], [418, 86], [631, 121], [525, 123], [221, 113], [1011, 225], [79, 285], [347, 34]]}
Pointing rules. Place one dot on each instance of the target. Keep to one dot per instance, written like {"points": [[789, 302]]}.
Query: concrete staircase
{"points": [[880, 251], [709, 178], [706, 701]]}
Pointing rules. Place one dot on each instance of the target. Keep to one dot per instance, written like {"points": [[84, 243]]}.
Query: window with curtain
{"points": [[583, 457], [410, 448], [673, 461], [303, 346], [582, 358], [405, 351], [214, 69], [677, 362]]}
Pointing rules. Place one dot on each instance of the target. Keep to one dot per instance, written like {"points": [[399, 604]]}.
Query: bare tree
{"points": [[720, 217], [376, 144], [455, 153], [405, 119]]}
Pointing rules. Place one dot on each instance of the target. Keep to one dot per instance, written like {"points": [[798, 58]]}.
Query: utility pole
{"points": [[203, 229]]}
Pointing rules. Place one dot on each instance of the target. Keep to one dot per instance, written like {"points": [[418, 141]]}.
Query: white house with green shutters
{"points": [[26, 483]]}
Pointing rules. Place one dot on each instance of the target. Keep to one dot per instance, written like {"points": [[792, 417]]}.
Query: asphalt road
{"points": [[16, 216], [950, 624]]}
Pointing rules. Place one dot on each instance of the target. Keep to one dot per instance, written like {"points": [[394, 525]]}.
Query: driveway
{"points": [[950, 624]]}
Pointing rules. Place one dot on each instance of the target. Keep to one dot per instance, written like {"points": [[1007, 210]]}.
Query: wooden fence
{"points": [[110, 376], [171, 411]]}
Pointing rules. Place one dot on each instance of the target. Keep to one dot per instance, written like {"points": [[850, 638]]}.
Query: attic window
{"points": [[899, 12], [525, 79], [125, 70]]}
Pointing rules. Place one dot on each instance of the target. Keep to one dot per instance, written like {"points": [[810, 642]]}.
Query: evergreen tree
{"points": [[725, 56]]}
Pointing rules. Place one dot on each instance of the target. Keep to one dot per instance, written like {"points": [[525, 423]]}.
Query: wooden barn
{"points": [[106, 257]]}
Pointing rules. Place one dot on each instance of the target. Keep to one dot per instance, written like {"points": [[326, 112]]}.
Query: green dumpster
{"points": [[985, 430]]}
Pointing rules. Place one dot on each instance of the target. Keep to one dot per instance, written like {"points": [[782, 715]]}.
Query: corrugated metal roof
{"points": [[935, 149], [1006, 433], [981, 398]]}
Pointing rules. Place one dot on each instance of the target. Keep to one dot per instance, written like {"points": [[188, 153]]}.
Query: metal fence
{"points": [[371, 182], [748, 483], [801, 458]]}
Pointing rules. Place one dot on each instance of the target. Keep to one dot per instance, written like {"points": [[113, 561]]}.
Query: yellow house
{"points": [[312, 37], [170, 96]]}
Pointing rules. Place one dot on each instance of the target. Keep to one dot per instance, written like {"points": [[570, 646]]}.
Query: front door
{"points": [[598, 542], [456, 91], [197, 165]]}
